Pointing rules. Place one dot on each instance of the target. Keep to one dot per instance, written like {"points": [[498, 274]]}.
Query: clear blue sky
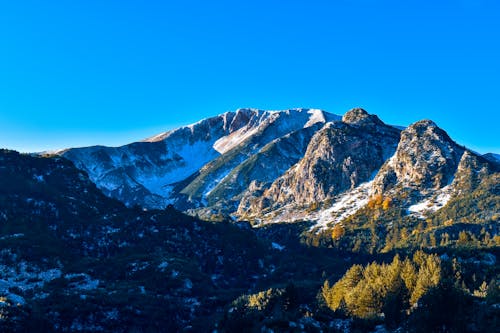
{"points": [[76, 73]]}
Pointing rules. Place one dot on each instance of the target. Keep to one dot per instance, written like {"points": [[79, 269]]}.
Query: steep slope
{"points": [[141, 172], [426, 159], [191, 159], [275, 126], [492, 157], [428, 169], [260, 169], [362, 162], [340, 157]]}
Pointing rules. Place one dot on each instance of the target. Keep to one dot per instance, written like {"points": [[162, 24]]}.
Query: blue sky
{"points": [[75, 73]]}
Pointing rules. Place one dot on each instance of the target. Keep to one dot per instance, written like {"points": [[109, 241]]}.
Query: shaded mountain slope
{"points": [[71, 256]]}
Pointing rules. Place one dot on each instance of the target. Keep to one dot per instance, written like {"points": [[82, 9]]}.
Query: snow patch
{"points": [[38, 178], [345, 205], [228, 142], [193, 156], [430, 205], [317, 116], [216, 182], [162, 266], [24, 276], [11, 236]]}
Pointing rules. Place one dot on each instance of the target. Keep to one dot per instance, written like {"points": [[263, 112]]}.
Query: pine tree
{"points": [[409, 275], [429, 275]]}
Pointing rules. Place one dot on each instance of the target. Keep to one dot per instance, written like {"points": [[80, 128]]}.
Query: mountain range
{"points": [[267, 166], [254, 221]]}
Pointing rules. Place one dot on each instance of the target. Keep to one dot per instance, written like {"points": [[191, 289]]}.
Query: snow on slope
{"points": [[241, 147], [193, 157], [345, 205], [295, 119], [431, 204], [228, 142], [317, 116], [153, 165]]}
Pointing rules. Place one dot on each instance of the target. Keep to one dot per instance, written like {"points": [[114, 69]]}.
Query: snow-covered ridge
{"points": [[295, 119], [145, 172]]}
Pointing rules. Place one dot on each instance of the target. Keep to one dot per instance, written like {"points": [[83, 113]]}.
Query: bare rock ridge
{"points": [[268, 166]]}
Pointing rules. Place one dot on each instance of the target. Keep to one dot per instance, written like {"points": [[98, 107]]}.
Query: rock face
{"points": [[339, 157], [471, 170], [426, 158], [429, 169], [360, 117], [262, 168]]}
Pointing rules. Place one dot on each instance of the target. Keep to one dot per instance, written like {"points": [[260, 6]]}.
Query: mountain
{"points": [[292, 165], [340, 157], [184, 166], [349, 163]]}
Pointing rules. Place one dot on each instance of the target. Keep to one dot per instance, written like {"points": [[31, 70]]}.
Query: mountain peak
{"points": [[359, 116], [426, 159], [423, 124], [427, 129]]}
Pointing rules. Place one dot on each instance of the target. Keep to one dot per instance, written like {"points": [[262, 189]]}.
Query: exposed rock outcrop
{"points": [[426, 159]]}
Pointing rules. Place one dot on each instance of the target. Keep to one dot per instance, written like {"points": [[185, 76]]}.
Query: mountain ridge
{"points": [[275, 166], [176, 155]]}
